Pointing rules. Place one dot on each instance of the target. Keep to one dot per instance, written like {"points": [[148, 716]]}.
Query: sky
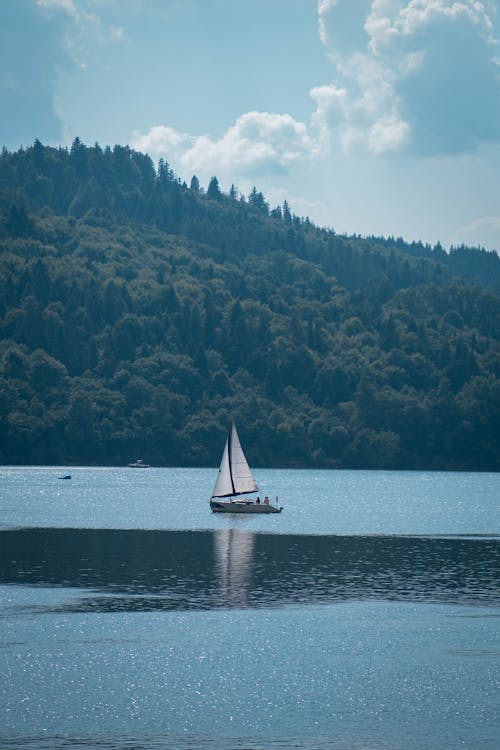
{"points": [[371, 117]]}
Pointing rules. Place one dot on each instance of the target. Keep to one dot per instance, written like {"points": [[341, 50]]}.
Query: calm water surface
{"points": [[365, 616]]}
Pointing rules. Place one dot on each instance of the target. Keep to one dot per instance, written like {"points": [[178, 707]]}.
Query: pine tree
{"points": [[213, 191]]}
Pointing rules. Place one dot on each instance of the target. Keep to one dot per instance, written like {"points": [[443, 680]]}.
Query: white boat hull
{"points": [[242, 506]]}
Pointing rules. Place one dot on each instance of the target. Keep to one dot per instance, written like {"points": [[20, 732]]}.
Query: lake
{"points": [[365, 616]]}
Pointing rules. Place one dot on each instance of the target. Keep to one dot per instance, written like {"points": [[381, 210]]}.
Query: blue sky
{"points": [[369, 116]]}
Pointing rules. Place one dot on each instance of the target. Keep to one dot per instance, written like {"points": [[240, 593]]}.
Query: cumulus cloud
{"points": [[341, 25], [363, 112], [423, 72], [388, 21], [161, 140], [388, 133], [421, 75], [260, 141], [331, 107], [323, 7]]}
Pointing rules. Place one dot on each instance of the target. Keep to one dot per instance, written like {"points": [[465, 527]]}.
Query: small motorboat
{"points": [[139, 464]]}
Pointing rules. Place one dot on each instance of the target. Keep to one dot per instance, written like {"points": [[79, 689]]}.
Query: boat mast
{"points": [[229, 456]]}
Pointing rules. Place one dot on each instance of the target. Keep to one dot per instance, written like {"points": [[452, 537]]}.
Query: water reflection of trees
{"points": [[131, 569]]}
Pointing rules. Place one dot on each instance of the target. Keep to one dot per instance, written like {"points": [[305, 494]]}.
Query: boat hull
{"points": [[221, 506]]}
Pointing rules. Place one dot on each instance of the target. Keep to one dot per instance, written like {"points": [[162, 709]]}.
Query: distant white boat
{"points": [[139, 464], [234, 480]]}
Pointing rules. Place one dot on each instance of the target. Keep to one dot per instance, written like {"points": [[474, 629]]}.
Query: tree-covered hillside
{"points": [[139, 314]]}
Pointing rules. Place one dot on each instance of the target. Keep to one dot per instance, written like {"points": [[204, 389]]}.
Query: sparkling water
{"points": [[364, 616]]}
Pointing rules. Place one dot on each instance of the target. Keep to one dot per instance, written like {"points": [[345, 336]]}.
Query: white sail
{"points": [[235, 476]]}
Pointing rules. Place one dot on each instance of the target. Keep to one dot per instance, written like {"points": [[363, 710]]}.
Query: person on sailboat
{"points": [[266, 500], [258, 500]]}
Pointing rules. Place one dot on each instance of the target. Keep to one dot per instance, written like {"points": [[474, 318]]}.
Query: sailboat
{"points": [[236, 480]]}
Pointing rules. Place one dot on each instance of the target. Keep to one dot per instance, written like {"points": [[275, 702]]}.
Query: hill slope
{"points": [[138, 314]]}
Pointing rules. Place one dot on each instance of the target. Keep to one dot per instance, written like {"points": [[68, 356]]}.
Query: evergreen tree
{"points": [[213, 190], [138, 315]]}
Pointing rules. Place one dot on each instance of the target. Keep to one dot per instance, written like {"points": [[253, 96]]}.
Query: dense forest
{"points": [[138, 314]]}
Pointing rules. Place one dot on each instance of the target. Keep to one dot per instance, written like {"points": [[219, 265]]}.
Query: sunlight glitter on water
{"points": [[364, 616]]}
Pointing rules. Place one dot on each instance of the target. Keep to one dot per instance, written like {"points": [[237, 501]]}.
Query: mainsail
{"points": [[235, 476]]}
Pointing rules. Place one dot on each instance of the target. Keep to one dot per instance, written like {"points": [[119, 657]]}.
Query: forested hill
{"points": [[138, 314]]}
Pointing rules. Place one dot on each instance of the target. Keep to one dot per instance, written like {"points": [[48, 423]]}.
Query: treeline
{"points": [[138, 314]]}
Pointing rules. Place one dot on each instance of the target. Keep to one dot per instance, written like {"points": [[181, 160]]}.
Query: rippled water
{"points": [[365, 616], [132, 570]]}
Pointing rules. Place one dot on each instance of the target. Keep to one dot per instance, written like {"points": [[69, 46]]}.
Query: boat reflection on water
{"points": [[138, 570], [234, 560]]}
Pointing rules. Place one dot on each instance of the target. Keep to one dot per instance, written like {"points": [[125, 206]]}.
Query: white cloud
{"points": [[379, 24], [330, 108], [415, 74], [362, 114], [160, 140], [390, 88], [388, 133], [420, 13], [323, 7], [257, 141], [388, 20]]}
